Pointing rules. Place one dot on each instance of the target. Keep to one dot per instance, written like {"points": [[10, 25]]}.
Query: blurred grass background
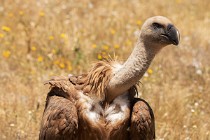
{"points": [[43, 38]]}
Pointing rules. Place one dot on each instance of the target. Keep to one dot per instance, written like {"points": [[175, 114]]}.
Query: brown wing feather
{"points": [[60, 120], [142, 121], [61, 86]]}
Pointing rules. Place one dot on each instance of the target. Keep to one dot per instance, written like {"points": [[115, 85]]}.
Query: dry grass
{"points": [[39, 39]]}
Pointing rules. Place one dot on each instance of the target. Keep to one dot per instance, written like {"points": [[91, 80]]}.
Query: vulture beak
{"points": [[172, 34]]}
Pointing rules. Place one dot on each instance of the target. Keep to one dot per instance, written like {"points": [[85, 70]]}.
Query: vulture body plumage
{"points": [[101, 105]]}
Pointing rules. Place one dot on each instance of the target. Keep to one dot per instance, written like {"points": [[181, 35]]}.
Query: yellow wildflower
{"points": [[128, 42], [103, 53], [40, 59], [41, 14], [150, 71], [94, 46], [56, 62], [105, 47], [99, 57], [7, 43], [116, 46], [6, 54], [62, 65], [51, 37], [33, 48], [10, 14], [70, 67], [6, 28], [54, 51], [51, 74], [63, 35], [21, 13], [1, 35], [139, 22], [33, 72], [178, 1], [112, 31]]}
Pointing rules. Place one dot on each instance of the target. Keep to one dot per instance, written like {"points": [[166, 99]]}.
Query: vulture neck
{"points": [[132, 70]]}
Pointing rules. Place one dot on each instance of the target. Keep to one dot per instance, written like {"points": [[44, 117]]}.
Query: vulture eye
{"points": [[157, 25]]}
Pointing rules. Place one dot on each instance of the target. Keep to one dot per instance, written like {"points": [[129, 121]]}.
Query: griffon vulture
{"points": [[101, 104]]}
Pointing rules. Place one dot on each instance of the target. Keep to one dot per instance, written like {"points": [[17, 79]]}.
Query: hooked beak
{"points": [[172, 34]]}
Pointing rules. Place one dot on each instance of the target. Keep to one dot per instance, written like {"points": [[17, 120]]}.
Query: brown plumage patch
{"points": [[92, 84], [95, 82]]}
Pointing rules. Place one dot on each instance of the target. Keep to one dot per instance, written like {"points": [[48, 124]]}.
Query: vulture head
{"points": [[156, 33], [159, 31]]}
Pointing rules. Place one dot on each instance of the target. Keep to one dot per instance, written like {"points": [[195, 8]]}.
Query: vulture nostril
{"points": [[169, 27]]}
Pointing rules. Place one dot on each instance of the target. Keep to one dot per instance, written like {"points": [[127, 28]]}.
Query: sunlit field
{"points": [[44, 38]]}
